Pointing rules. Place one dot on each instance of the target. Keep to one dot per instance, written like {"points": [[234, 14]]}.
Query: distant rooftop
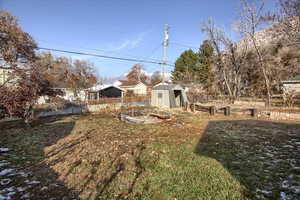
{"points": [[102, 87], [296, 78], [293, 79]]}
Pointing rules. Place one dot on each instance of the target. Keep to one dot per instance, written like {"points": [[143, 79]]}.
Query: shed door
{"points": [[178, 98], [160, 99]]}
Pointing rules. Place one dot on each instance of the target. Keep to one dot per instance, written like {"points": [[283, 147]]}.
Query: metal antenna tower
{"points": [[165, 51]]}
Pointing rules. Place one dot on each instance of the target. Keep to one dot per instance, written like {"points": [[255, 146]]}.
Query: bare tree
{"points": [[250, 22], [17, 49], [289, 20], [215, 35], [15, 45], [137, 74], [81, 75], [196, 93], [156, 78], [230, 59], [289, 97]]}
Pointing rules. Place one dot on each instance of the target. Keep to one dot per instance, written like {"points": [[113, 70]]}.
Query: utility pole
{"points": [[165, 49]]}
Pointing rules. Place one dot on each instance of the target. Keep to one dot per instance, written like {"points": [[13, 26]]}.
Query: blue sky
{"points": [[131, 28]]}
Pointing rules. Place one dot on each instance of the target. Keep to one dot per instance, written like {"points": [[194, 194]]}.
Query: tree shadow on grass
{"points": [[263, 156], [86, 164], [28, 176]]}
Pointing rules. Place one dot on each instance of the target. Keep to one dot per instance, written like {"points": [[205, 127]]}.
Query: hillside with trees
{"points": [[266, 54]]}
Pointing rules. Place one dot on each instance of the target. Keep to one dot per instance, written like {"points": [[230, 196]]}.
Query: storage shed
{"points": [[105, 91], [292, 84], [168, 96]]}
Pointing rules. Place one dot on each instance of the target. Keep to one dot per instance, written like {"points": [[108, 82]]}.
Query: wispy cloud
{"points": [[129, 43], [81, 57]]}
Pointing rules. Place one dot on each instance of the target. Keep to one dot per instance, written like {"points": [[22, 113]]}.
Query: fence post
{"points": [[186, 105], [227, 111], [254, 112], [212, 110], [193, 107]]}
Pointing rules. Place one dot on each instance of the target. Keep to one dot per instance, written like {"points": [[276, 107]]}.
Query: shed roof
{"points": [[168, 87], [295, 79]]}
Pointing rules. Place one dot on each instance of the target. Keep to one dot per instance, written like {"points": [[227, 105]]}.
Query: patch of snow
{"points": [[23, 174], [263, 191], [283, 196], [288, 146], [3, 150], [5, 181], [296, 189], [285, 184], [22, 189], [32, 182], [8, 192], [4, 197], [269, 154], [44, 188], [25, 196], [4, 163], [10, 189], [5, 171], [54, 185]]}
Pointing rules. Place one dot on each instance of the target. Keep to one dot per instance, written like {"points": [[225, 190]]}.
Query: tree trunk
{"points": [[228, 87], [266, 79]]}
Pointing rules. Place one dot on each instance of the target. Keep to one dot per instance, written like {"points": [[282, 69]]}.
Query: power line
{"points": [[103, 56], [104, 51]]}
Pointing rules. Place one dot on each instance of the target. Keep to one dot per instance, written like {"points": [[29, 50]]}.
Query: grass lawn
{"points": [[195, 157]]}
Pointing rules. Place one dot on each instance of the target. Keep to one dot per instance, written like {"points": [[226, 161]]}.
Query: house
{"points": [[135, 87], [292, 84], [6, 74], [168, 96], [69, 95], [105, 91]]}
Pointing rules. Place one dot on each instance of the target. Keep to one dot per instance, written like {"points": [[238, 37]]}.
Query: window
{"points": [[160, 95]]}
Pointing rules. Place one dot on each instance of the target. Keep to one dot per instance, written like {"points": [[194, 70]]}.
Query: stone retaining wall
{"points": [[284, 116]]}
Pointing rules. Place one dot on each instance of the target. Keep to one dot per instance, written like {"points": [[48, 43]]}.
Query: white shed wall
{"points": [[292, 86], [163, 102]]}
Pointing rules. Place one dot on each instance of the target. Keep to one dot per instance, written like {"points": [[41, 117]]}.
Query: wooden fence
{"points": [[276, 101], [119, 100]]}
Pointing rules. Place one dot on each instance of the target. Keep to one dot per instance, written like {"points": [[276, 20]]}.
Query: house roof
{"points": [[293, 79], [103, 87], [296, 78], [128, 83]]}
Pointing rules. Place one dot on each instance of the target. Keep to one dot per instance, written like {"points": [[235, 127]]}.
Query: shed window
{"points": [[160, 95]]}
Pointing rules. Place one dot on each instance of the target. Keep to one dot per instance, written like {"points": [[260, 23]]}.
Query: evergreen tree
{"points": [[206, 54], [185, 66], [193, 67]]}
